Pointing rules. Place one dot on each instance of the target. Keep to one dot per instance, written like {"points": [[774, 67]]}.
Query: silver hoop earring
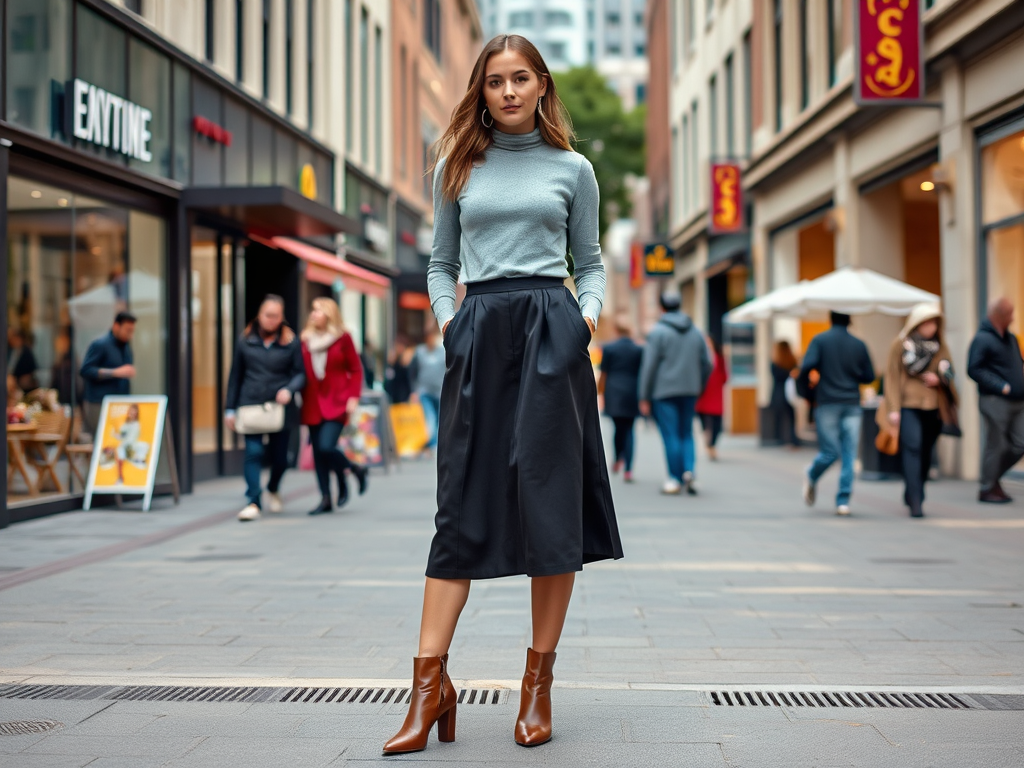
{"points": [[483, 115], [540, 107]]}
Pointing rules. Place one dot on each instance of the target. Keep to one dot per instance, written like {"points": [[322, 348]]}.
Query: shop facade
{"points": [[932, 195], [135, 178]]}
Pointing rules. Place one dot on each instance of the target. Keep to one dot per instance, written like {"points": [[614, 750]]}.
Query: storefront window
{"points": [[150, 86], [236, 157], [206, 153], [286, 173], [1003, 178], [182, 124], [73, 263], [262, 152], [38, 62]]}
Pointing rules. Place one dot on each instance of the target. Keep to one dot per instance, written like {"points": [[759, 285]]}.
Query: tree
{"points": [[613, 140]]}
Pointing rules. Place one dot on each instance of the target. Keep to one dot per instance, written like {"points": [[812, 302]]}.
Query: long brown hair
{"points": [[783, 356], [466, 139]]}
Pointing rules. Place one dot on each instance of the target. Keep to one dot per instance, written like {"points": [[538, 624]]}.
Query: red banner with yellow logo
{"points": [[890, 51], [726, 200]]}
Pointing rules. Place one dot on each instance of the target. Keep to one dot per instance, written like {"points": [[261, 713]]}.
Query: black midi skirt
{"points": [[522, 483]]}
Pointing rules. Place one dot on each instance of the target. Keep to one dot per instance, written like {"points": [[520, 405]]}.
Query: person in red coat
{"points": [[711, 404], [334, 381]]}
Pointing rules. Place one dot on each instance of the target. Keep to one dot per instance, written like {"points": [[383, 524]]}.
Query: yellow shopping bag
{"points": [[410, 428]]}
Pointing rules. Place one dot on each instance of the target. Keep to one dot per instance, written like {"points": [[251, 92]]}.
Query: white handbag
{"points": [[261, 419]]}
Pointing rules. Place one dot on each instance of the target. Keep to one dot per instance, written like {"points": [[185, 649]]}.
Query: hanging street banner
{"points": [[726, 214], [658, 260], [636, 265], [889, 45]]}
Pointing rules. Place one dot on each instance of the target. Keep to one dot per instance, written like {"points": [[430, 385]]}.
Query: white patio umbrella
{"points": [[776, 302], [858, 291]]}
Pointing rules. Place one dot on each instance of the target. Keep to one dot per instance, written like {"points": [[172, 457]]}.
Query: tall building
{"points": [[618, 47], [930, 194], [435, 44], [563, 30], [181, 161]]}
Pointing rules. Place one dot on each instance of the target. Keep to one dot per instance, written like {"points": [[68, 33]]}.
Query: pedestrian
{"points": [[368, 361], [675, 370], [994, 362], [397, 381], [21, 361], [784, 370], [427, 375], [711, 405], [620, 375], [919, 375], [334, 381], [107, 368], [267, 368], [522, 485], [843, 365]]}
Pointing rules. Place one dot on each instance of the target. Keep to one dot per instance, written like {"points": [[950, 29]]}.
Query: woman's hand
{"points": [[591, 326], [930, 379], [645, 407], [445, 329], [229, 421], [352, 405], [284, 396], [894, 418]]}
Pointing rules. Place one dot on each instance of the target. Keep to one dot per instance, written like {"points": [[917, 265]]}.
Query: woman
{"points": [[334, 381], [398, 382], [784, 368], [129, 447], [522, 481], [919, 374], [267, 367], [619, 382], [711, 404]]}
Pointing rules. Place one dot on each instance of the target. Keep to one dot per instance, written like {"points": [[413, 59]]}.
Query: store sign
{"points": [[307, 182], [658, 260], [206, 127], [726, 200], [890, 51], [110, 121]]}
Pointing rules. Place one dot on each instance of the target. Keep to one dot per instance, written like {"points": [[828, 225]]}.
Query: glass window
{"points": [[378, 101], [289, 51], [1005, 247], [834, 10], [262, 152], [146, 299], [713, 114], [38, 56], [182, 124], [324, 167], [286, 172], [558, 19], [239, 39], [557, 50], [1003, 179], [350, 63], [207, 154], [730, 107], [101, 49], [805, 56], [520, 19], [777, 68], [150, 86], [236, 157], [364, 85]]}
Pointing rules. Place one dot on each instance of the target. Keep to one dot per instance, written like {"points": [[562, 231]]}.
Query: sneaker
{"points": [[671, 488], [617, 466], [274, 503], [251, 512], [810, 492], [843, 510], [691, 487], [627, 477]]}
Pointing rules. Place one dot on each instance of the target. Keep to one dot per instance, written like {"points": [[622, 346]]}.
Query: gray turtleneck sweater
{"points": [[523, 208]]}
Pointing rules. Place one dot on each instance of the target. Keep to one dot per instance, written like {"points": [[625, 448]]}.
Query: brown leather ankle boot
{"points": [[433, 701], [534, 724]]}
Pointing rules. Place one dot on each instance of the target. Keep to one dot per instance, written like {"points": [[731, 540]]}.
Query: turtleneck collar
{"points": [[516, 142]]}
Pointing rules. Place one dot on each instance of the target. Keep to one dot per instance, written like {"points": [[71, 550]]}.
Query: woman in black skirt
{"points": [[522, 482]]}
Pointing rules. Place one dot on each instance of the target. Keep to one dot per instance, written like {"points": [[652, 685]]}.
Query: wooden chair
{"points": [[45, 447], [76, 450]]}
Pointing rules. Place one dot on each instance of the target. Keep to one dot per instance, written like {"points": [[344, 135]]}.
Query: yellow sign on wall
{"points": [[307, 181], [658, 260]]}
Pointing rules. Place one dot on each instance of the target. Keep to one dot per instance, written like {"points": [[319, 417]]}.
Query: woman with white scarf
{"points": [[918, 385], [334, 380]]}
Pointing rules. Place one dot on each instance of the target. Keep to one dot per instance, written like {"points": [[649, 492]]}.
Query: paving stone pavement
{"points": [[740, 586]]}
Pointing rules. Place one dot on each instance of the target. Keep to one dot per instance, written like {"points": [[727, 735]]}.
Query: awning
{"points": [[325, 267], [270, 211]]}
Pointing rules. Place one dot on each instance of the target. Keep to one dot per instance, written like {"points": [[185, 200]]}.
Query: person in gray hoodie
{"points": [[676, 366]]}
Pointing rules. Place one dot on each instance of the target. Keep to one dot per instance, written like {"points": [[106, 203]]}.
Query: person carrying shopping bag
{"points": [[266, 373], [334, 381]]}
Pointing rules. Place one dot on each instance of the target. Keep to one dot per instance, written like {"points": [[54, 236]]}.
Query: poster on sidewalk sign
{"points": [[889, 45], [126, 447]]}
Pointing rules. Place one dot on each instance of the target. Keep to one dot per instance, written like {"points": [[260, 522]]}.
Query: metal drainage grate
{"points": [[28, 727], [869, 699], [248, 695], [385, 695]]}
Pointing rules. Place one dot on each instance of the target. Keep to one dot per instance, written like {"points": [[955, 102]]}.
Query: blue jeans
{"points": [[838, 438], [675, 422], [431, 409], [277, 447]]}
